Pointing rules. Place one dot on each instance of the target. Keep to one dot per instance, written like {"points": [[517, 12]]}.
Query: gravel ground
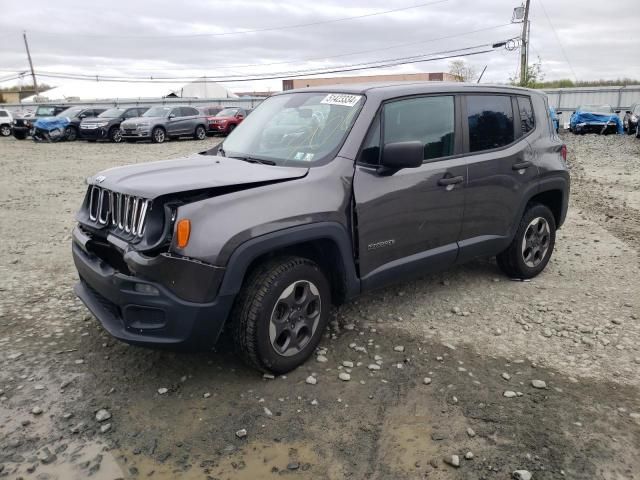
{"points": [[457, 394]]}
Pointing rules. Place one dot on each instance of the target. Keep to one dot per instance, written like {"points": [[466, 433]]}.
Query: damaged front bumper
{"points": [[162, 300]]}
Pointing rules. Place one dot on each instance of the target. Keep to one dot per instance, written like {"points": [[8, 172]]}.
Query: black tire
{"points": [[520, 259], [5, 130], [129, 140], [230, 128], [638, 130], [92, 141], [71, 134], [261, 302], [158, 135], [200, 133], [20, 135], [115, 134]]}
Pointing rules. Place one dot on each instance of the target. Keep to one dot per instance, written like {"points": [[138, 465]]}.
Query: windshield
{"points": [[227, 112], [157, 112], [111, 113], [597, 108], [70, 112], [45, 111], [297, 128]]}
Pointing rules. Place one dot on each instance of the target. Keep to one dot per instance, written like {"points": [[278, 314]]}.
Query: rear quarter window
{"points": [[527, 118]]}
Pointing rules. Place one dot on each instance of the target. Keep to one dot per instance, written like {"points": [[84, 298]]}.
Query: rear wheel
{"points": [[532, 245], [200, 133], [638, 130], [158, 135], [5, 130], [281, 313], [115, 134]]}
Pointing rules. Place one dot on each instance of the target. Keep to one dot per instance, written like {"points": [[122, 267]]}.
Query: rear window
{"points": [[490, 120], [3, 113], [527, 119]]}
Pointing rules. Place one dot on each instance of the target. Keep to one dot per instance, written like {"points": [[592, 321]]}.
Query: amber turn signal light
{"points": [[183, 230]]}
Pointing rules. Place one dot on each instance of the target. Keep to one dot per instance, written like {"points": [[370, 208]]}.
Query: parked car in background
{"points": [[210, 113], [106, 126], [75, 116], [555, 120], [356, 188], [164, 122], [595, 119], [22, 124], [5, 122], [631, 117], [228, 119]]}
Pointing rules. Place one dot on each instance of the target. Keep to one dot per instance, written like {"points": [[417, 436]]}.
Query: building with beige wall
{"points": [[400, 77]]}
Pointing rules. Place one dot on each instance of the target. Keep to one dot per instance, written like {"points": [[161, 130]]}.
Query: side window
{"points": [[176, 112], [370, 152], [637, 110], [490, 119], [527, 119], [190, 111], [429, 120], [131, 113]]}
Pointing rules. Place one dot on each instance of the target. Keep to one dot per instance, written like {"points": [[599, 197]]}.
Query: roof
{"points": [[395, 89]]}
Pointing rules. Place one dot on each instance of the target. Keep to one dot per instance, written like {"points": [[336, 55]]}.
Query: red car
{"points": [[226, 120]]}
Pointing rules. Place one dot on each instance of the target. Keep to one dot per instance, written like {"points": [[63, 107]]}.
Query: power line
{"points": [[241, 32], [290, 73], [285, 75], [564, 54]]}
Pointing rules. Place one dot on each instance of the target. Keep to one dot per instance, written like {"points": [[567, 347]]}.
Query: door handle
{"points": [[446, 181], [521, 165]]}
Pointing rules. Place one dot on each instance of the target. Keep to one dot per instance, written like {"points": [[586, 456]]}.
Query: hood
{"points": [[226, 119], [134, 122], [195, 172]]}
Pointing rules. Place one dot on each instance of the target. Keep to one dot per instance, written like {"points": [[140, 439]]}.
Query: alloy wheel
{"points": [[5, 130], [159, 135], [535, 243], [295, 318]]}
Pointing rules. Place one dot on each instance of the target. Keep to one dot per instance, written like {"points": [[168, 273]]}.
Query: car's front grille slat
{"points": [[126, 214]]}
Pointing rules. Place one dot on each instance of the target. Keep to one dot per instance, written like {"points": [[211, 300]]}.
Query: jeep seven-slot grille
{"points": [[126, 213]]}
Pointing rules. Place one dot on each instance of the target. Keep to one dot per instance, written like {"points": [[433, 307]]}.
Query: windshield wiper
{"points": [[255, 160]]}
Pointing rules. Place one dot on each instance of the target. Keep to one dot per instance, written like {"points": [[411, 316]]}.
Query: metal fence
{"points": [[242, 102], [567, 99]]}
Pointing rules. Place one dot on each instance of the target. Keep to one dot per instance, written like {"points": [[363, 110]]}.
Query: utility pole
{"points": [[33, 74], [524, 46]]}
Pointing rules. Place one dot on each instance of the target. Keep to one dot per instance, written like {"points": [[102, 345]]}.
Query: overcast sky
{"points": [[135, 37]]}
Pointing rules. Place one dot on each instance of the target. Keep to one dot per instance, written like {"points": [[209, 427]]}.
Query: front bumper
{"points": [[153, 314], [99, 133], [137, 134], [217, 128]]}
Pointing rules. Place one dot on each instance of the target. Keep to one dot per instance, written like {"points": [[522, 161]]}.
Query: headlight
{"points": [[102, 124], [634, 118]]}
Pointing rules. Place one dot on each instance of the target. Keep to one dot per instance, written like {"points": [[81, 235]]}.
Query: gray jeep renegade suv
{"points": [[318, 196]]}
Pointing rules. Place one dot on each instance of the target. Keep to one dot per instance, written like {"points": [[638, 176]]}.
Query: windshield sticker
{"points": [[298, 156], [341, 99], [308, 157]]}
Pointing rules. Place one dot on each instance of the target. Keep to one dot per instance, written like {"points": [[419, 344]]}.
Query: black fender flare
{"points": [[247, 252], [545, 185]]}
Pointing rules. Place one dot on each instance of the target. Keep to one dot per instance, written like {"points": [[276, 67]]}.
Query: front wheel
{"points": [[532, 246], [281, 313], [71, 134], [158, 135], [115, 135], [20, 135]]}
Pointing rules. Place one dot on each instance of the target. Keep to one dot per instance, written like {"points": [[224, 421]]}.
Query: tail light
{"points": [[563, 152]]}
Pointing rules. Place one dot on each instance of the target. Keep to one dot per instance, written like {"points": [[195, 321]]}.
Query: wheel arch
{"points": [[326, 243]]}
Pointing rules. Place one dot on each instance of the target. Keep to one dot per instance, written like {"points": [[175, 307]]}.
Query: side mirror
{"points": [[84, 115], [171, 116], [617, 111], [558, 113], [240, 116], [628, 111], [398, 155]]}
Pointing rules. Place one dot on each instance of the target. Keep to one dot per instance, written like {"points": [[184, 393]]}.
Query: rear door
{"points": [[500, 168], [409, 222], [192, 118], [175, 123]]}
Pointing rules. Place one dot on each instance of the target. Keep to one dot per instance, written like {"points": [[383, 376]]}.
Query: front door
{"points": [[408, 222]]}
